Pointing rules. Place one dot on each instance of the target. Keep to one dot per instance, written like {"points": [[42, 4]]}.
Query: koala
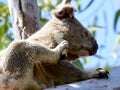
{"points": [[35, 63], [64, 26]]}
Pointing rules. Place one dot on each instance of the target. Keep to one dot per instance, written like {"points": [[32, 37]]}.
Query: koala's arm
{"points": [[65, 72], [37, 52]]}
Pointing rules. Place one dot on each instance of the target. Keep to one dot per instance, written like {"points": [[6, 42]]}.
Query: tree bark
{"points": [[25, 18]]}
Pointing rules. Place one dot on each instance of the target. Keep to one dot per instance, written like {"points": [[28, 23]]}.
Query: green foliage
{"points": [[116, 19], [78, 64], [78, 4], [5, 37], [87, 6], [107, 67], [118, 39], [45, 6]]}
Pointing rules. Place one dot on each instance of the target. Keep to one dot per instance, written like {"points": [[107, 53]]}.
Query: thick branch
{"points": [[25, 19]]}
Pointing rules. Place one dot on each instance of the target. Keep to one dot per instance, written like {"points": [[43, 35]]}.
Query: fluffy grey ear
{"points": [[65, 11], [66, 1]]}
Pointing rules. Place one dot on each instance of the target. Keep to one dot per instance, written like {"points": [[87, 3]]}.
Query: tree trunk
{"points": [[25, 18]]}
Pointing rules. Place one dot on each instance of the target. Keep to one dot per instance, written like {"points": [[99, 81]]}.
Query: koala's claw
{"points": [[102, 73], [65, 44]]}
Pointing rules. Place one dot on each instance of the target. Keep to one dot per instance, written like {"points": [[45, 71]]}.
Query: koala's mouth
{"points": [[88, 51], [84, 52], [74, 55]]}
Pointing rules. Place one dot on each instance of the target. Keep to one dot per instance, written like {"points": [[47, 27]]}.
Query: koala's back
{"points": [[45, 36]]}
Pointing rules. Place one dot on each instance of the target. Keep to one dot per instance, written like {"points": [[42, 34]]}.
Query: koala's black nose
{"points": [[94, 48]]}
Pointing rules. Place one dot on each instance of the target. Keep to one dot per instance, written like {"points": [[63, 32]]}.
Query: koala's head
{"points": [[81, 42], [64, 26]]}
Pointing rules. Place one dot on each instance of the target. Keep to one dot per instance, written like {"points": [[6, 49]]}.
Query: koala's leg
{"points": [[65, 72]]}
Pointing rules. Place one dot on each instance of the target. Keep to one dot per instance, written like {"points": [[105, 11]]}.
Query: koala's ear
{"points": [[66, 1], [66, 11]]}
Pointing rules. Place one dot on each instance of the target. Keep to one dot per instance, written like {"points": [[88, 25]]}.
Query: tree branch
{"points": [[25, 19]]}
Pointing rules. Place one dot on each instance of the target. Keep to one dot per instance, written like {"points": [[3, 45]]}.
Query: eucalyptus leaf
{"points": [[117, 15], [78, 64], [87, 6]]}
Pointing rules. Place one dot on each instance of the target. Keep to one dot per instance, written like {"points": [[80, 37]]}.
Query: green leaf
{"points": [[43, 21], [4, 9], [78, 4], [107, 67], [94, 28], [116, 19], [5, 37], [87, 6], [118, 39], [85, 60], [78, 64]]}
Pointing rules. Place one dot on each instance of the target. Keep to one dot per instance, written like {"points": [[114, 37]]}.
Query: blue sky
{"points": [[105, 11]]}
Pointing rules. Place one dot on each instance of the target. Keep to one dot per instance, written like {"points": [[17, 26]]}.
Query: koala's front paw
{"points": [[64, 44], [102, 73]]}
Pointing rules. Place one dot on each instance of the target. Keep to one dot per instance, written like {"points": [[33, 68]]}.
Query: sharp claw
{"points": [[107, 76], [107, 72], [102, 73], [99, 69]]}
